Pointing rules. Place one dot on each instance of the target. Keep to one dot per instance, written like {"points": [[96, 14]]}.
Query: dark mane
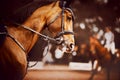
{"points": [[21, 14]]}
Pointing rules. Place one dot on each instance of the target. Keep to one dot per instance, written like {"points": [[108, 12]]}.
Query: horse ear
{"points": [[68, 3]]}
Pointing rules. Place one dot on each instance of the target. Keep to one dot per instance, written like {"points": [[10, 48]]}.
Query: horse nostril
{"points": [[71, 46]]}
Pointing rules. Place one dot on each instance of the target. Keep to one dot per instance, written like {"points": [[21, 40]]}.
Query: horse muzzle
{"points": [[67, 45], [68, 48]]}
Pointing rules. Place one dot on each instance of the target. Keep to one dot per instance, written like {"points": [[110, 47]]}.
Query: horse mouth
{"points": [[69, 50]]}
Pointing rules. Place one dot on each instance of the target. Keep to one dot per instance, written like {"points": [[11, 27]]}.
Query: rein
{"points": [[44, 36]]}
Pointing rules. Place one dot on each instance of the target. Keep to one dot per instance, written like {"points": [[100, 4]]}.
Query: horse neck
{"points": [[36, 21], [100, 48], [31, 37], [25, 37]]}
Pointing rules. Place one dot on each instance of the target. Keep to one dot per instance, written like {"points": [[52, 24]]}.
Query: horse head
{"points": [[20, 38], [61, 26]]}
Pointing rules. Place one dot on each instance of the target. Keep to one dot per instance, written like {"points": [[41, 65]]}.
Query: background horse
{"points": [[20, 38], [99, 55], [102, 57]]}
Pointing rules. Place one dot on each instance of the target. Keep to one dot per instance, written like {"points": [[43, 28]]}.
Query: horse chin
{"points": [[60, 52], [70, 50]]}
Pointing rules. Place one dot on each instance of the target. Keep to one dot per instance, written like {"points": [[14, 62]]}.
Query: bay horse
{"points": [[20, 38], [100, 56]]}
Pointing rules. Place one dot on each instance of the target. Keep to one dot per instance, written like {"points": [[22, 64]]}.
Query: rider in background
{"points": [[109, 40]]}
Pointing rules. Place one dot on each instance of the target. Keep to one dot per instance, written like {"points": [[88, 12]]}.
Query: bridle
{"points": [[59, 37]]}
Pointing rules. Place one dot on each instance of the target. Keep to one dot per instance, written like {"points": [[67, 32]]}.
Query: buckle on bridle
{"points": [[59, 37]]}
